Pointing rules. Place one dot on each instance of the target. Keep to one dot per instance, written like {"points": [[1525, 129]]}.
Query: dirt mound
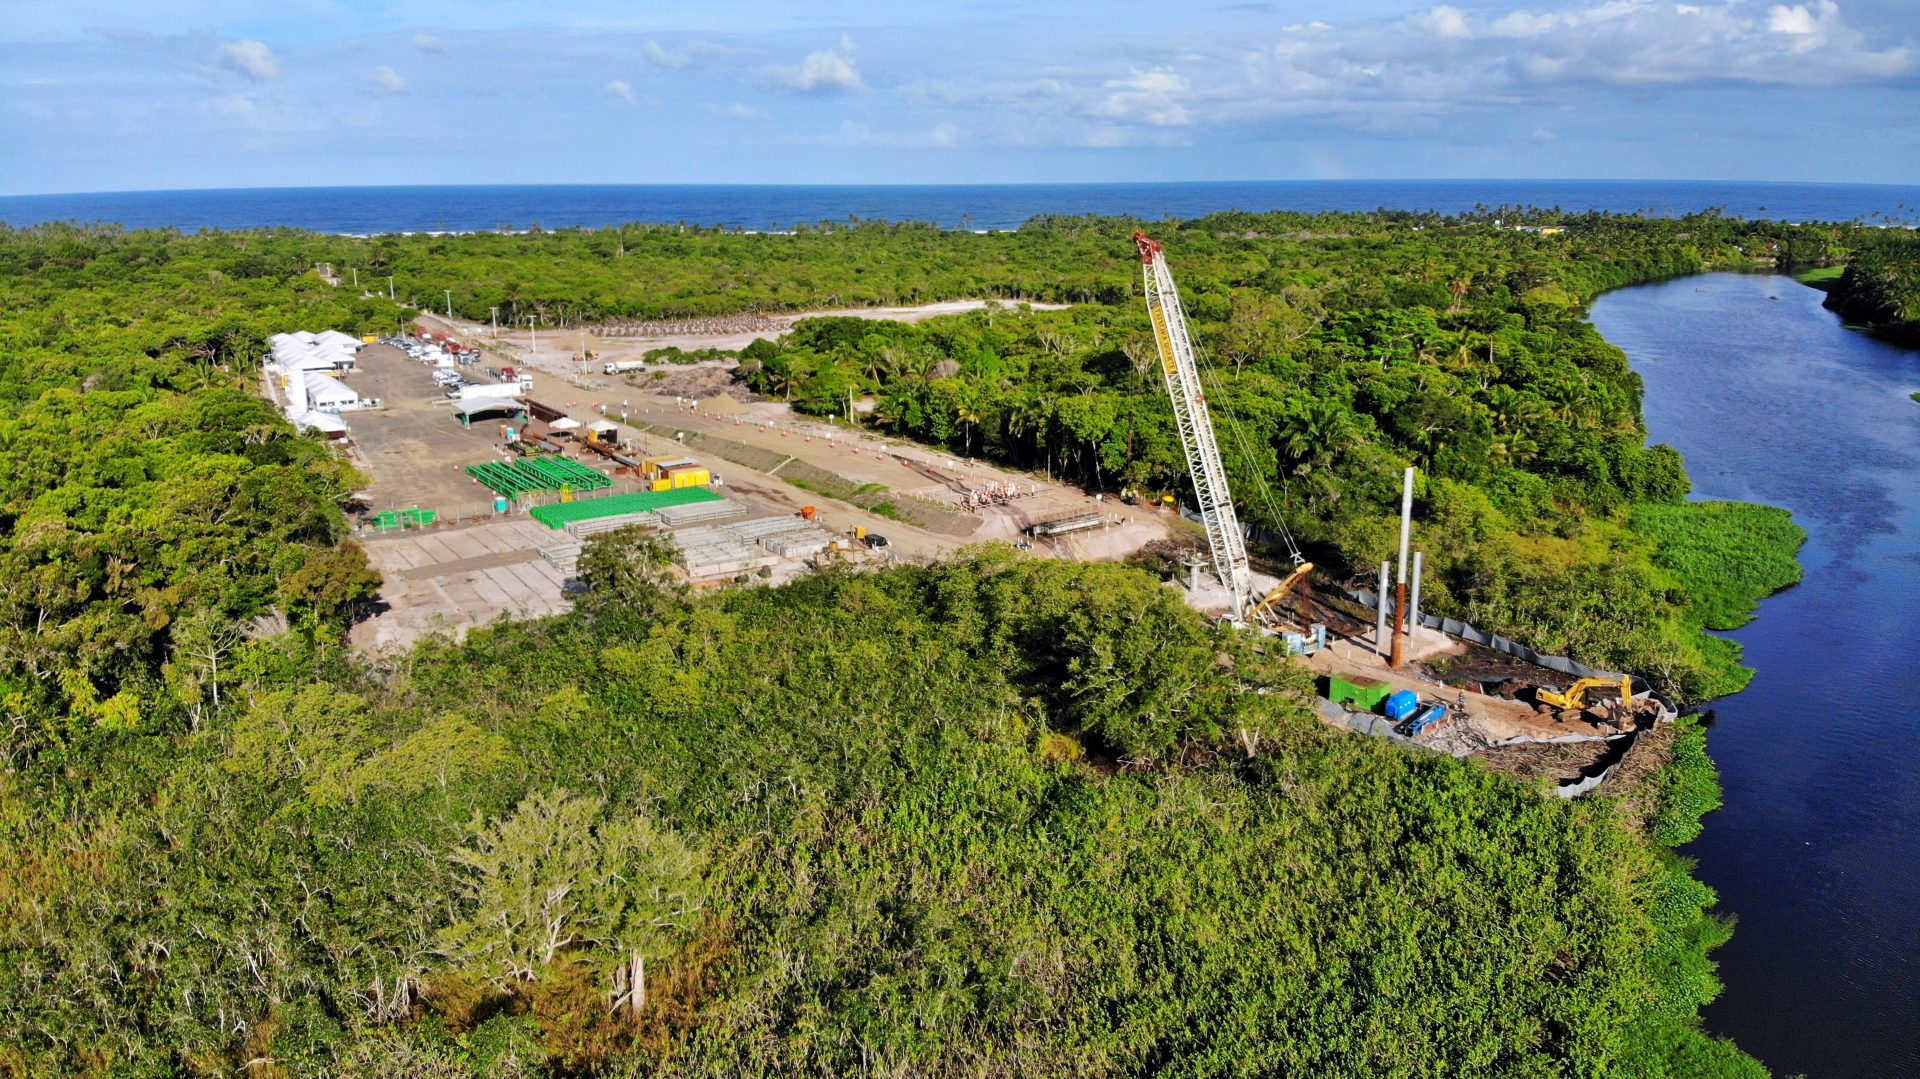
{"points": [[704, 384]]}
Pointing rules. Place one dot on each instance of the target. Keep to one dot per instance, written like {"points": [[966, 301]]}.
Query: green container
{"points": [[1364, 693]]}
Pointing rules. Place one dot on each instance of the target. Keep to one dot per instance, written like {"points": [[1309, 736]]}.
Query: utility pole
{"points": [[493, 313], [389, 286], [356, 276], [449, 293], [1400, 587], [535, 331]]}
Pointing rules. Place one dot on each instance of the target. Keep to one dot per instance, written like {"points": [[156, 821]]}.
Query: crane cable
{"points": [[1245, 446]]}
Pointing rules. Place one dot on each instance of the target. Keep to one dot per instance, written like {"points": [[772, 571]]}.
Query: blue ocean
{"points": [[368, 210]]}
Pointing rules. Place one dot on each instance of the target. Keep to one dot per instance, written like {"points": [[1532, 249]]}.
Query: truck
{"points": [[621, 367], [512, 375]]}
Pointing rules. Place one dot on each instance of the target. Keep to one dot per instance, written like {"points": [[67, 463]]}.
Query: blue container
{"points": [[1401, 703]]}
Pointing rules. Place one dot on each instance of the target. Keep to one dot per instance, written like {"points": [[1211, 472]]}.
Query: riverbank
{"points": [[1772, 400]]}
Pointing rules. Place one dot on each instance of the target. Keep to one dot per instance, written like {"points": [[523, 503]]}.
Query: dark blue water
{"points": [[982, 206], [1818, 849]]}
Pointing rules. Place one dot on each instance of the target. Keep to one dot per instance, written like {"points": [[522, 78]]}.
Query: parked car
{"points": [[875, 541]]}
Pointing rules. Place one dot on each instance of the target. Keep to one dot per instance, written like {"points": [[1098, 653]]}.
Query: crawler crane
{"points": [[1225, 541]]}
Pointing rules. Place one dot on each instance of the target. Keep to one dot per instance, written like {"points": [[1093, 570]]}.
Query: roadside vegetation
{"points": [[991, 816]]}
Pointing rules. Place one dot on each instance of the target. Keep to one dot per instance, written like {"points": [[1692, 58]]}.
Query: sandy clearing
{"points": [[559, 346]]}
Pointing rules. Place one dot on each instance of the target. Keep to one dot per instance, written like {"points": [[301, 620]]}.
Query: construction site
{"points": [[483, 493]]}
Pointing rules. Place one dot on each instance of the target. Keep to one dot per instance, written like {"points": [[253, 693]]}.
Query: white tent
{"points": [[312, 361], [335, 337], [322, 422], [475, 406], [565, 423], [325, 392], [292, 356]]}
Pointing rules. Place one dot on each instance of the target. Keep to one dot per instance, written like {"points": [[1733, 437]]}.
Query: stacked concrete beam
{"points": [[768, 526], [583, 529], [564, 557], [693, 513], [708, 552], [799, 544]]}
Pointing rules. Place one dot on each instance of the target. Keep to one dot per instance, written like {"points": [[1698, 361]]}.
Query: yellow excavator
{"points": [[1575, 695]]}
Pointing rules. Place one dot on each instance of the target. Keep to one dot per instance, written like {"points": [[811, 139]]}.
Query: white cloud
{"points": [[429, 43], [659, 56], [1444, 21], [1523, 24], [1402, 76], [250, 58], [618, 91], [238, 106], [389, 81], [737, 111], [826, 71], [945, 136], [1147, 97], [1792, 20]]}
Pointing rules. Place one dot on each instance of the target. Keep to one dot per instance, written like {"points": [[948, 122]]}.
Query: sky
{"points": [[103, 95]]}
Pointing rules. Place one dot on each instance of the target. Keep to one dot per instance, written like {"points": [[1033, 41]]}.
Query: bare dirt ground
{"points": [[561, 345], [1488, 716], [413, 450], [760, 451]]}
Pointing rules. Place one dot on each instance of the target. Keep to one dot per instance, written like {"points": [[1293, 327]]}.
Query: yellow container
{"points": [[662, 485], [369, 339], [860, 533]]}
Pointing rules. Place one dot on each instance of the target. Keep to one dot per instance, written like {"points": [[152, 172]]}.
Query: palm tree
{"points": [[783, 379], [968, 417]]}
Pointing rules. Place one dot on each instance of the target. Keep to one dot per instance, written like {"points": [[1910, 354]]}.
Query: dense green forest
{"points": [[1880, 288], [989, 817]]}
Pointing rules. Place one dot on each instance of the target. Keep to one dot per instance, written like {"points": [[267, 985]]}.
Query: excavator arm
{"points": [[1280, 591], [1575, 695]]}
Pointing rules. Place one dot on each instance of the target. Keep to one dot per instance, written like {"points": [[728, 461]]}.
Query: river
{"points": [[1772, 400]]}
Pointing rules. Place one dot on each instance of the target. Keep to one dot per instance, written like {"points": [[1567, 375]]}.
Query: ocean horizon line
{"points": [[858, 185]]}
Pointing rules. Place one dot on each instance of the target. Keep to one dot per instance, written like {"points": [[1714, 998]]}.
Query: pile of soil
{"points": [[700, 383]]}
